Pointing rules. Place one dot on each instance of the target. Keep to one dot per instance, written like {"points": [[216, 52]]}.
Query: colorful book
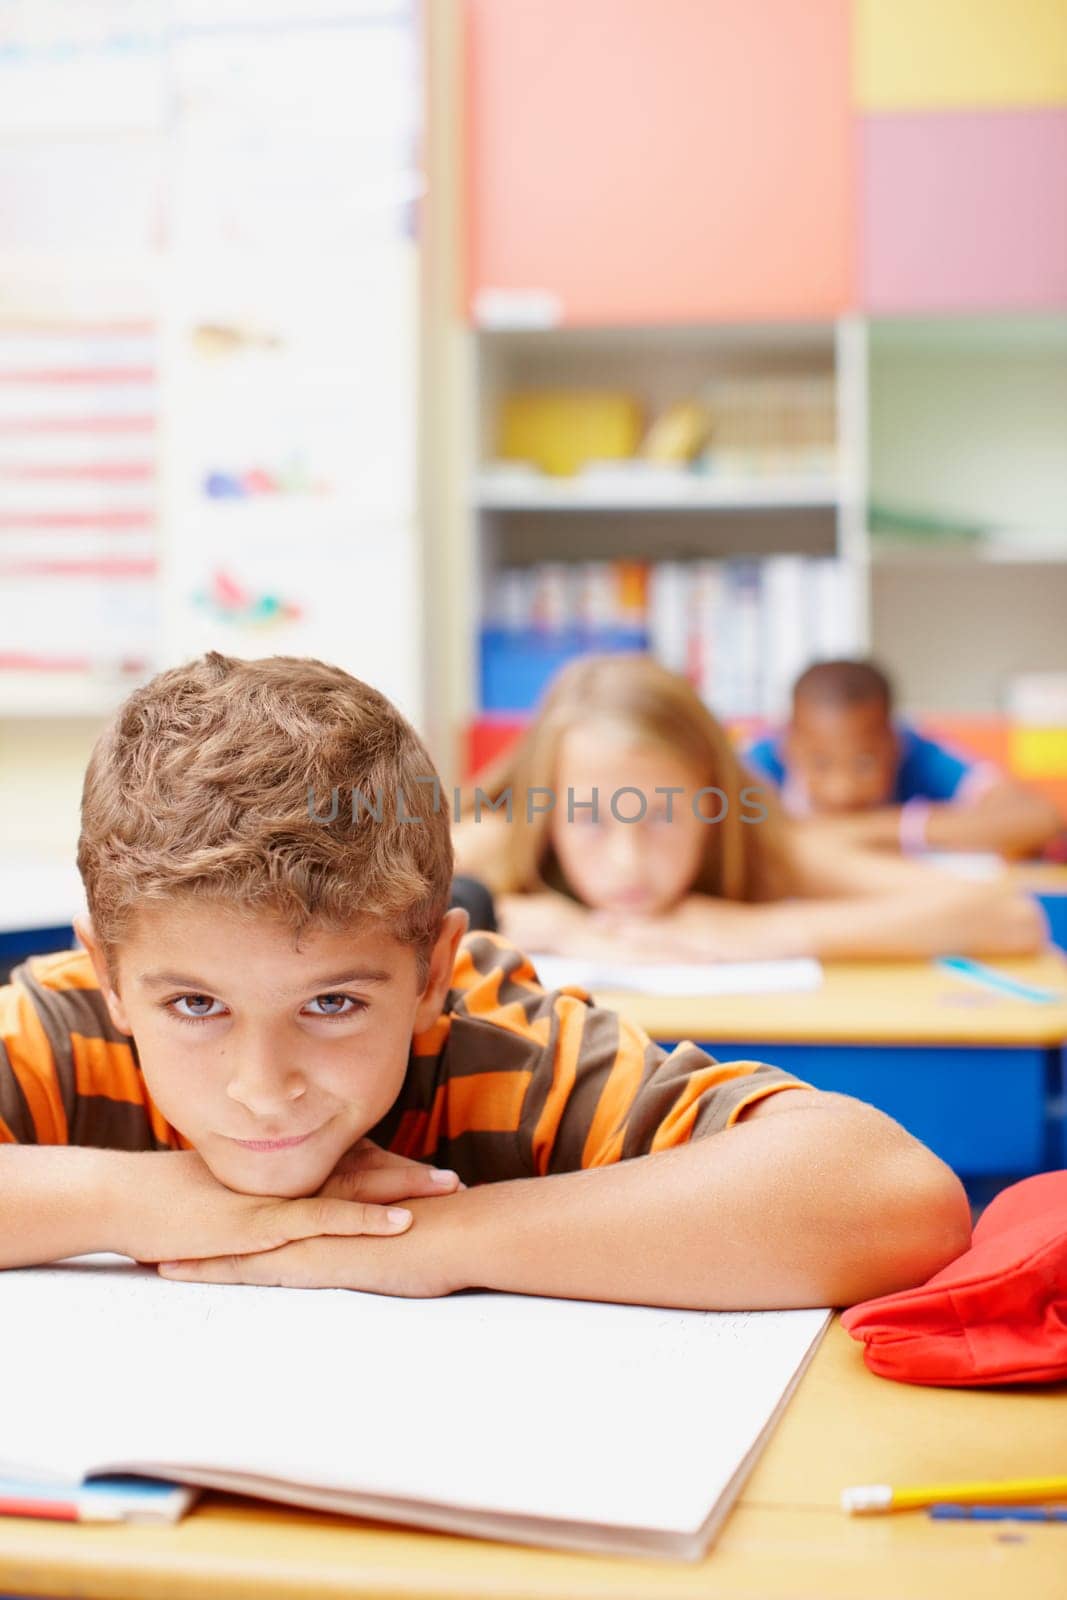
{"points": [[101, 1499]]}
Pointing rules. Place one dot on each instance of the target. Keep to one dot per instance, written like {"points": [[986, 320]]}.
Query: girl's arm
{"points": [[850, 904]]}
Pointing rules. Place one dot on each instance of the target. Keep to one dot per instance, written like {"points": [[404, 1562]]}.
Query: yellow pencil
{"points": [[1010, 1492]]}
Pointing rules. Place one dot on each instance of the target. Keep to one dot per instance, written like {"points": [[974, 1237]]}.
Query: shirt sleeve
{"points": [[565, 1084], [67, 1075], [34, 1102], [764, 759], [931, 771]]}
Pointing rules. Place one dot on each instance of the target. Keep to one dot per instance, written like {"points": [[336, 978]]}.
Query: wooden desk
{"points": [[976, 1075], [785, 1538], [870, 1002]]}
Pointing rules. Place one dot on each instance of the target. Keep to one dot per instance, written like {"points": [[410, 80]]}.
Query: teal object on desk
{"points": [[999, 982]]}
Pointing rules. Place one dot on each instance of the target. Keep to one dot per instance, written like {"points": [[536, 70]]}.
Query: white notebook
{"points": [[594, 1427], [707, 978]]}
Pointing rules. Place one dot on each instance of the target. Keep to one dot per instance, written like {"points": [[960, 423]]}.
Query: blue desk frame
{"points": [[22, 942], [1055, 909]]}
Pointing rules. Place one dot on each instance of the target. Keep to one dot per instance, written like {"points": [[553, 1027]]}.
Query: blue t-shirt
{"points": [[926, 770]]}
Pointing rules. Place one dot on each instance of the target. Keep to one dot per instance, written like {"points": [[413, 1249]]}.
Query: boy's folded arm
{"points": [[66, 1200], [56, 1201], [810, 1199], [1005, 817]]}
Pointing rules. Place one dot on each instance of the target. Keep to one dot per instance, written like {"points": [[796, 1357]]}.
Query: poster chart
{"points": [[235, 467], [78, 506]]}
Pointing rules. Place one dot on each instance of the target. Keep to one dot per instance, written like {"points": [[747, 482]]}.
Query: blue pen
{"points": [[948, 1513], [990, 978]]}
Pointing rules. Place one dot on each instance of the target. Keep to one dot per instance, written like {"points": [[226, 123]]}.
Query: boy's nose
{"points": [[263, 1084]]}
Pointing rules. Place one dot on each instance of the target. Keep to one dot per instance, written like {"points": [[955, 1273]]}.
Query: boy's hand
{"points": [[176, 1207], [422, 1265], [371, 1174]]}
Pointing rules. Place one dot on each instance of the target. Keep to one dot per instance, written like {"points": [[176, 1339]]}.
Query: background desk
{"points": [[785, 1540], [1048, 883], [38, 903], [977, 1076]]}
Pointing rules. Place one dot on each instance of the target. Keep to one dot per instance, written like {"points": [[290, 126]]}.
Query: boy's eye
{"points": [[334, 1005], [199, 1005]]}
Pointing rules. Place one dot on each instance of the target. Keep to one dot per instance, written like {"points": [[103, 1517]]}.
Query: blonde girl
{"points": [[623, 826]]}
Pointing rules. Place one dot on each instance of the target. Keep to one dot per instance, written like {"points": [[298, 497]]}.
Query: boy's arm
{"points": [[1004, 818], [67, 1200], [810, 1199], [54, 1200]]}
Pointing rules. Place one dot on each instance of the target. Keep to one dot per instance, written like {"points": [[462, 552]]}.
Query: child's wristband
{"points": [[914, 815]]}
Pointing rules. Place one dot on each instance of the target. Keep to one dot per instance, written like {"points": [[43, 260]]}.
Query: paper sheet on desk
{"points": [[552, 1421], [981, 865], [707, 978]]}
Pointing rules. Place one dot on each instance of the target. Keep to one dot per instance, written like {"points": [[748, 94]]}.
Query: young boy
{"points": [[276, 1023], [842, 760]]}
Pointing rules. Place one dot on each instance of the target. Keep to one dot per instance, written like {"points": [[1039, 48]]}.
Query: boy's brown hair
{"points": [[844, 683], [217, 780]]}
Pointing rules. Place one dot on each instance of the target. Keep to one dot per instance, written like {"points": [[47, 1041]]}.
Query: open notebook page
{"points": [[465, 1409], [707, 978]]}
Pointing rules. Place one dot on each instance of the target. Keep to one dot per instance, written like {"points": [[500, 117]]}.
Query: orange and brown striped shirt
{"points": [[511, 1081]]}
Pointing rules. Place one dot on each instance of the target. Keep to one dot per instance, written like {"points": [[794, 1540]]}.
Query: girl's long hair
{"points": [[742, 860]]}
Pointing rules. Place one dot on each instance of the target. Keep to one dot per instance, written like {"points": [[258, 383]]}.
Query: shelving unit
{"points": [[960, 418], [659, 489], [514, 516]]}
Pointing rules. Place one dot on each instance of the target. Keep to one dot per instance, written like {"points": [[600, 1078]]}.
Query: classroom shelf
{"points": [[668, 490], [980, 554]]}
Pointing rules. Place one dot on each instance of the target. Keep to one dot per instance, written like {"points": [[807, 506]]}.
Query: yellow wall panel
{"points": [[923, 54], [1039, 752]]}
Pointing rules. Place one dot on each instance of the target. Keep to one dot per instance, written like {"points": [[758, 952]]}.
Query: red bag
{"points": [[997, 1314]]}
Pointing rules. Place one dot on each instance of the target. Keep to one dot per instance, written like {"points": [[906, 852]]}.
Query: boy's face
{"points": [[271, 1058], [845, 756]]}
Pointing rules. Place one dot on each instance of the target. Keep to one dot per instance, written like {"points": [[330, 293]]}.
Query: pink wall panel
{"points": [[662, 160], [964, 211]]}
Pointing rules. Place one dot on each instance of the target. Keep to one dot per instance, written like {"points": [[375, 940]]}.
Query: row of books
{"points": [[739, 630]]}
